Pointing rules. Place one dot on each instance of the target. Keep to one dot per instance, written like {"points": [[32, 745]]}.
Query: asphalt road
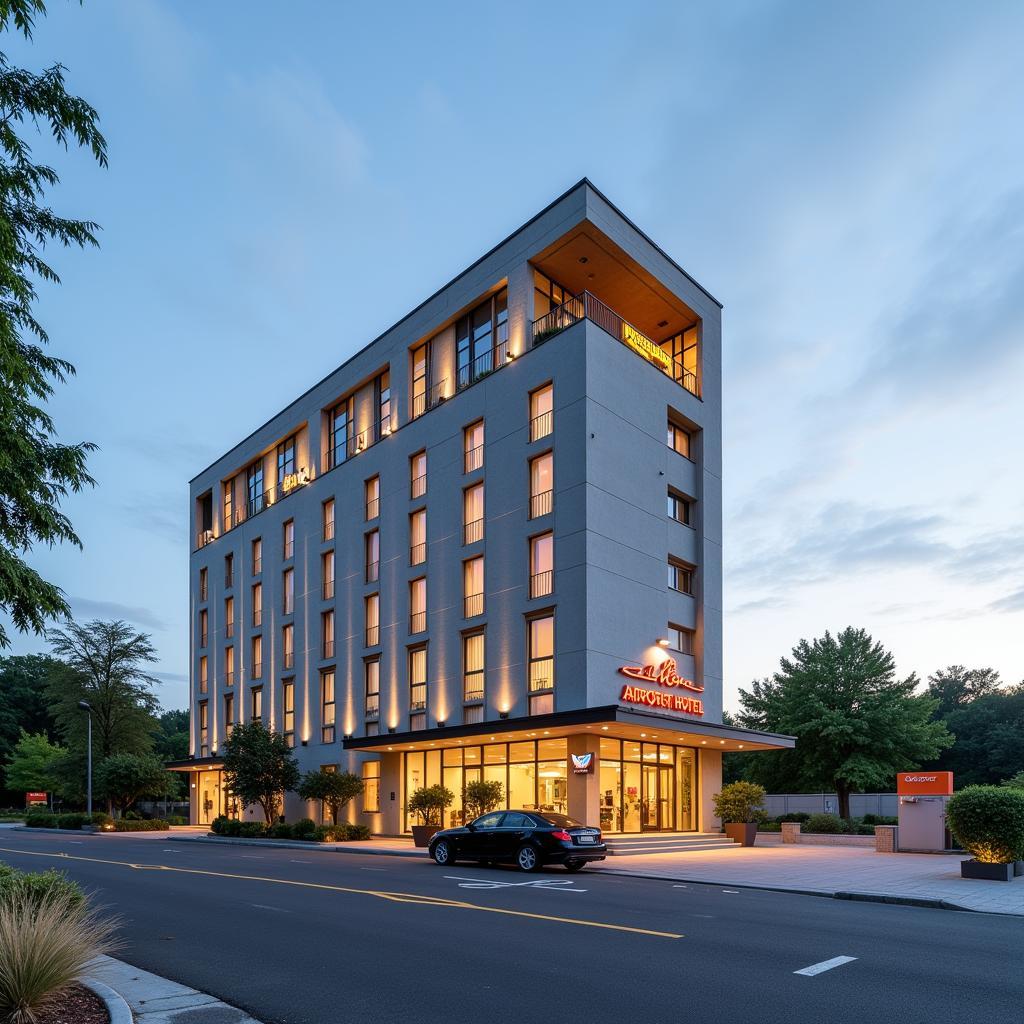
{"points": [[319, 938]]}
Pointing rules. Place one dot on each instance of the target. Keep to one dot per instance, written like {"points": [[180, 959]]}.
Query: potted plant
{"points": [[738, 805], [481, 796], [428, 804], [988, 822]]}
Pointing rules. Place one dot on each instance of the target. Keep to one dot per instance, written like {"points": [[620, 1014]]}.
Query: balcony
{"points": [[541, 584], [541, 504], [473, 605], [473, 533], [427, 400], [485, 363], [290, 482], [203, 538], [356, 444], [590, 307], [541, 426]]}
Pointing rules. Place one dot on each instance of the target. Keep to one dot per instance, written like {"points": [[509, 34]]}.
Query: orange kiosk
{"points": [[922, 811]]}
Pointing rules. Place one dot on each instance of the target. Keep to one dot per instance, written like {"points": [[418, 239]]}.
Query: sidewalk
{"points": [[155, 1000]]}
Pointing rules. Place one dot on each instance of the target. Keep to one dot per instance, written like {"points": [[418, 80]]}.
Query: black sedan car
{"points": [[529, 839]]}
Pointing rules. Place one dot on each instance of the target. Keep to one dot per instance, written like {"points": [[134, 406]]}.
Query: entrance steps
{"points": [[667, 842]]}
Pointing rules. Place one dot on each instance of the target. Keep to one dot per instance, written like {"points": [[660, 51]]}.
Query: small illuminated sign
{"points": [[582, 764], [293, 480], [665, 701], [643, 346], [664, 674]]}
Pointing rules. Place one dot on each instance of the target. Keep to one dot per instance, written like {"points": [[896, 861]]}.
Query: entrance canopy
{"points": [[611, 720]]}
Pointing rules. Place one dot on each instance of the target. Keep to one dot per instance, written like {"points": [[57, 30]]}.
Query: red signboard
{"points": [[664, 674], [666, 701], [35, 798], [924, 783]]}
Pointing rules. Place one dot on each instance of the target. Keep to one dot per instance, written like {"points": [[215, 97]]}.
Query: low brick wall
{"points": [[791, 834], [887, 839]]}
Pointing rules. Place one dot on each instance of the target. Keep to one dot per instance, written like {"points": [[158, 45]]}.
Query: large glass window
{"points": [[327, 633], [228, 515], [327, 575], [682, 349], [417, 678], [256, 704], [473, 587], [341, 429], [371, 787], [372, 551], [288, 591], [473, 514], [680, 576], [327, 519], [418, 605], [547, 295], [229, 617], [204, 673], [383, 389], [541, 632], [288, 710], [229, 713], [542, 476], [481, 339], [229, 666], [420, 378], [257, 604], [257, 556], [372, 608], [204, 627], [204, 729], [371, 496], [542, 565], [418, 475], [473, 667], [371, 674], [680, 508], [254, 487], [288, 540], [418, 537], [679, 439], [327, 706], [288, 645], [256, 658], [285, 462]]}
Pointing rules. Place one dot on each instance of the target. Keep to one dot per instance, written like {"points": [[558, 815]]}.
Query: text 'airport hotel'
{"points": [[487, 546]]}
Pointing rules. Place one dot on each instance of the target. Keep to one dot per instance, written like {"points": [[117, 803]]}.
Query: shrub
{"points": [[829, 824], [176, 819], [879, 819], [251, 830], [304, 828], [141, 825], [739, 802], [988, 822], [280, 830], [76, 819], [342, 833], [429, 802], [232, 827], [800, 816], [45, 946], [769, 826], [41, 819], [481, 796], [38, 887], [218, 824]]}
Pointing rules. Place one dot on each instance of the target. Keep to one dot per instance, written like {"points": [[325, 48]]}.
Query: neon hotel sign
{"points": [[665, 675]]}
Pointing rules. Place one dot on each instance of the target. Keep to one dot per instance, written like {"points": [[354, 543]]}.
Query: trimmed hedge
{"points": [[141, 825], [988, 822], [825, 824], [304, 830], [75, 820]]}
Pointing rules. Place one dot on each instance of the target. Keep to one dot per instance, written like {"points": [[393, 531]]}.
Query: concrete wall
{"points": [[886, 804]]}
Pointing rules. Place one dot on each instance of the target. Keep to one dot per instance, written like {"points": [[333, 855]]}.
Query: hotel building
{"points": [[486, 546]]}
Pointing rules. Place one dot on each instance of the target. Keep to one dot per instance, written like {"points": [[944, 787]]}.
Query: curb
{"points": [[292, 844], [117, 1007]]}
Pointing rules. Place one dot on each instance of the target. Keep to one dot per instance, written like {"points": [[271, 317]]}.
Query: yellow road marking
{"points": [[394, 897]]}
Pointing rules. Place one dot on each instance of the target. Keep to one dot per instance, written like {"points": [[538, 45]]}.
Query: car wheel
{"points": [[575, 865], [527, 859], [443, 853]]}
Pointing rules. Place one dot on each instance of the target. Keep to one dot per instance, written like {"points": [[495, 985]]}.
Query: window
{"points": [[229, 571], [288, 710], [254, 487], [680, 508], [418, 475], [473, 587], [473, 447], [204, 627], [257, 657], [288, 540], [204, 674], [372, 548], [204, 728], [371, 787], [371, 686], [542, 471], [327, 634], [257, 557], [229, 666], [473, 668], [327, 519], [285, 463], [257, 604], [418, 537], [418, 605], [288, 591], [680, 639], [382, 387], [541, 412], [371, 492], [680, 577], [228, 514], [547, 295], [327, 706], [473, 514], [542, 663], [481, 339], [372, 609], [204, 588], [420, 379], [340, 432], [327, 575], [288, 645], [679, 439], [682, 348], [256, 704], [417, 678], [229, 713], [542, 564], [229, 617], [473, 715]]}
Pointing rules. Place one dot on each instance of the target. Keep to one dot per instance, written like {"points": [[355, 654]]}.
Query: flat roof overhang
{"points": [[612, 719], [195, 764]]}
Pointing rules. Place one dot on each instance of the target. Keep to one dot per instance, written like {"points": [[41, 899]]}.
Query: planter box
{"points": [[422, 834], [742, 832], [1018, 868], [989, 872]]}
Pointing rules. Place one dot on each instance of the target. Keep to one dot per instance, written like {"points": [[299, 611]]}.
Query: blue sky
{"points": [[287, 181]]}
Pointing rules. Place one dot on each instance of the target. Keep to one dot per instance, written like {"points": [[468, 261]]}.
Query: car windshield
{"points": [[561, 820]]}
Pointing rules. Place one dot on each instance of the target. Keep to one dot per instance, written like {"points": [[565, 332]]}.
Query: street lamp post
{"points": [[87, 708]]}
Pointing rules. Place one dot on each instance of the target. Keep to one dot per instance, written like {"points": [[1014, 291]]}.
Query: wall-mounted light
{"points": [[503, 714], [663, 641], [391, 728], [305, 743], [440, 723], [346, 736], [510, 356]]}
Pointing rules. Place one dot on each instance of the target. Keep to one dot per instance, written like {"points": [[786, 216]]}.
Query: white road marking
{"points": [[735, 892], [554, 884], [680, 887], [300, 862], [263, 906], [250, 856], [825, 965], [372, 869]]}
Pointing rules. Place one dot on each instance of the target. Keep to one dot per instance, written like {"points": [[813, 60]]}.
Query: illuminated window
{"points": [[679, 439], [481, 339], [371, 494], [204, 627], [204, 681], [204, 729], [372, 550], [473, 587], [680, 508], [473, 447], [327, 575], [327, 519], [418, 605], [418, 537], [542, 565], [382, 387], [371, 787], [418, 475], [327, 707], [288, 540], [257, 556], [547, 295], [228, 514], [681, 639], [285, 462], [288, 645], [254, 487], [341, 429], [229, 713], [371, 686], [473, 514], [327, 634], [420, 378], [204, 589], [256, 704], [229, 666], [473, 668], [541, 412], [229, 570], [229, 617], [257, 657], [288, 710], [541, 637], [682, 349], [542, 475], [257, 604], [680, 576], [288, 591], [417, 678], [372, 609]]}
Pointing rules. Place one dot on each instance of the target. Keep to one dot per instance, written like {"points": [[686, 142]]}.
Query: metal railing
{"points": [[541, 426], [229, 629], [257, 616], [372, 705], [418, 622], [542, 674], [372, 636], [418, 486], [328, 651], [292, 482], [372, 572], [473, 533], [540, 504], [418, 697], [427, 400], [589, 306], [473, 605], [229, 678], [257, 670], [473, 688], [203, 637], [254, 506], [541, 583], [417, 554], [372, 509], [203, 538], [473, 459], [485, 363], [289, 659], [328, 529], [328, 590]]}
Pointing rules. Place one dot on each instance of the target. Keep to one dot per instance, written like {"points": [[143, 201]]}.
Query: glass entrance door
{"points": [[658, 798]]}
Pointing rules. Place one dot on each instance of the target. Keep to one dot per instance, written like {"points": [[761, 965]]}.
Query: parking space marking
{"points": [[554, 884], [825, 965]]}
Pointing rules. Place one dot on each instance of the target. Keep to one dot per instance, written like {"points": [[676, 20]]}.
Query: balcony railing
{"points": [[473, 533], [203, 538], [541, 583], [540, 504], [328, 651], [541, 426], [203, 637], [372, 636], [473, 605], [418, 486], [289, 659], [418, 697], [372, 572], [418, 622], [354, 444], [257, 670], [229, 629], [473, 459], [473, 688], [328, 590], [426, 400], [328, 529], [417, 554], [229, 678], [372, 705], [257, 616], [590, 307], [542, 674], [485, 363], [372, 509]]}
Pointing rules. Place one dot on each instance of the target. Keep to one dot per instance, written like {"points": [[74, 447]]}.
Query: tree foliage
{"points": [[481, 796], [856, 724], [104, 664], [170, 741], [259, 766], [23, 705], [956, 686], [124, 778], [36, 470], [32, 764], [335, 789]]}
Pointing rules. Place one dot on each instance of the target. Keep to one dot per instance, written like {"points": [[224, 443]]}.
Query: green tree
{"points": [[259, 767], [335, 789], [31, 768], [170, 741], [124, 778], [481, 796], [105, 666], [23, 706], [36, 470], [956, 686], [856, 724], [989, 735]]}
